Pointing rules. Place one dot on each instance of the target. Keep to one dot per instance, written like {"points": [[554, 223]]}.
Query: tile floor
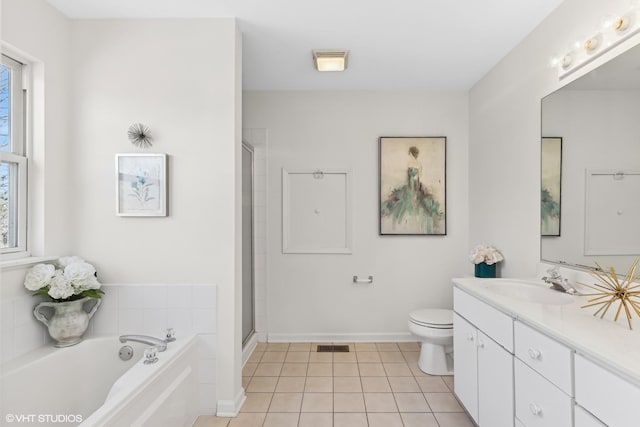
{"points": [[375, 385]]}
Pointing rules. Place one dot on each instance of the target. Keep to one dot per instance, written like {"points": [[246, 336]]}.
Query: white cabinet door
{"points": [[466, 366], [495, 384], [607, 396], [585, 419]]}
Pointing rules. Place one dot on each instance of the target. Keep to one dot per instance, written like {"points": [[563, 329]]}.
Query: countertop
{"points": [[608, 343]]}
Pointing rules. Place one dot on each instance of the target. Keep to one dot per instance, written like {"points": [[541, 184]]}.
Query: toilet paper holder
{"points": [[356, 279]]}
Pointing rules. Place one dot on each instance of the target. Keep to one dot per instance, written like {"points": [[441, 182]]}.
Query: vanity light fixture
{"points": [[330, 59], [613, 30]]}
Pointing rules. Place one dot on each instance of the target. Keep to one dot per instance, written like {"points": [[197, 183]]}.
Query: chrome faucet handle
{"points": [[554, 273], [170, 335], [150, 355]]}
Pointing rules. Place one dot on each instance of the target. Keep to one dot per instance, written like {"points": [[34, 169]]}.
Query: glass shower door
{"points": [[248, 289]]}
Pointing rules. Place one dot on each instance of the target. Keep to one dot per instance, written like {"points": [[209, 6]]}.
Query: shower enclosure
{"points": [[248, 274]]}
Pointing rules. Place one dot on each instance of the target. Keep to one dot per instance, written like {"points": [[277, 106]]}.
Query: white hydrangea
{"points": [[67, 260], [39, 276], [60, 288], [68, 277], [92, 283], [78, 273], [485, 253]]}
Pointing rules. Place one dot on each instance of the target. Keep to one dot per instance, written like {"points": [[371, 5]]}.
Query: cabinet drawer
{"points": [[607, 396], [494, 323], [585, 419], [545, 355], [538, 402]]}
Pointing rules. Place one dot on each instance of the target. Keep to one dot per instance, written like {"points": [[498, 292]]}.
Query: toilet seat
{"points": [[432, 318]]}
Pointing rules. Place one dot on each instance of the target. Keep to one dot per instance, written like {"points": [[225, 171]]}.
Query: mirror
{"points": [[590, 167]]}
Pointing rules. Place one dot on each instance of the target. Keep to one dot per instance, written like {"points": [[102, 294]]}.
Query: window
{"points": [[13, 160]]}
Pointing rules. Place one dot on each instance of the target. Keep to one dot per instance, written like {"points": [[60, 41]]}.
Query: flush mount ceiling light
{"points": [[330, 60]]}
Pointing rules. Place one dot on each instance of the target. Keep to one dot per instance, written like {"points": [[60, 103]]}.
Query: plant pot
{"points": [[69, 320], [484, 270]]}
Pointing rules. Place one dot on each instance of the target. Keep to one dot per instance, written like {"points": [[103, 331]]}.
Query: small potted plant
{"points": [[485, 258], [69, 283]]}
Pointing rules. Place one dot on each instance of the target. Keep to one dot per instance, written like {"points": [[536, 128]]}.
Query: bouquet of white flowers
{"points": [[485, 253], [68, 279]]}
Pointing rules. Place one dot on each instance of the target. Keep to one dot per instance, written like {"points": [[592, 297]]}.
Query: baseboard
{"points": [[358, 337], [231, 408]]}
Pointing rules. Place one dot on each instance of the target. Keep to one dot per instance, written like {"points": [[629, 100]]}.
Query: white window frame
{"points": [[18, 156]]}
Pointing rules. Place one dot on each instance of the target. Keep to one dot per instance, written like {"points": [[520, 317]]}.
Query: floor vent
{"points": [[333, 348]]}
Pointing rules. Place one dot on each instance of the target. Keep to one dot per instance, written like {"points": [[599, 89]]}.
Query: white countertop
{"points": [[608, 343]]}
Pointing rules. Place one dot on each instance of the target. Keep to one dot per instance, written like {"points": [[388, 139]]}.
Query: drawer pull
{"points": [[481, 344], [535, 409], [534, 354], [470, 337]]}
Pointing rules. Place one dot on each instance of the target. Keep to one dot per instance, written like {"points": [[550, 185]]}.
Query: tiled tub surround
{"points": [[129, 309], [20, 332], [375, 385], [150, 309]]}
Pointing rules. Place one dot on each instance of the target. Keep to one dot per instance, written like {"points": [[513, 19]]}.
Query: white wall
{"points": [[173, 76], [599, 131], [47, 53], [47, 49], [312, 296], [181, 78], [504, 129]]}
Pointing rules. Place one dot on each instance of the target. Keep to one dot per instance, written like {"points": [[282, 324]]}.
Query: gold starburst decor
{"points": [[613, 288]]}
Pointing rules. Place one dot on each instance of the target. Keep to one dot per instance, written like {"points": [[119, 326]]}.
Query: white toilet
{"points": [[434, 327]]}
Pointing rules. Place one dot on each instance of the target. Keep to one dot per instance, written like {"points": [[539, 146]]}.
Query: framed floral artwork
{"points": [[550, 186], [412, 186], [141, 184]]}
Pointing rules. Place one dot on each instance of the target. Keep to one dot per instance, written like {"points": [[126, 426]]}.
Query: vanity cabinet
{"points": [[585, 419], [607, 396], [483, 365], [509, 372], [543, 382]]}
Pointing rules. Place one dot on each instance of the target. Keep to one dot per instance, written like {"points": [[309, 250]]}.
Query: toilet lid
{"points": [[434, 317]]}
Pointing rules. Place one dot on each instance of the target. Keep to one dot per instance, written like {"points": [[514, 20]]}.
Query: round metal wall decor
{"points": [[140, 135]]}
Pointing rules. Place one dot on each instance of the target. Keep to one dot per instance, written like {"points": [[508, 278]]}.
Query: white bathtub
{"points": [[89, 385]]}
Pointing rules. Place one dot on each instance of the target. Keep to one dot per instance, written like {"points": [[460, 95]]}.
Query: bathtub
{"points": [[89, 385]]}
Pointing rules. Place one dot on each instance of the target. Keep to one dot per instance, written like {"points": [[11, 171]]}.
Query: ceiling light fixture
{"points": [[330, 60]]}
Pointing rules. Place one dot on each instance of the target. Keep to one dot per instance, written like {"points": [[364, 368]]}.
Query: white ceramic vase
{"points": [[69, 320]]}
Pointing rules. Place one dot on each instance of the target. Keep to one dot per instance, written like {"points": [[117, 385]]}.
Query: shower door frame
{"points": [[249, 148]]}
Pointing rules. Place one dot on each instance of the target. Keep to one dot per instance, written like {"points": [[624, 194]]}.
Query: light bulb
{"points": [[592, 43], [577, 43], [621, 23], [607, 21]]}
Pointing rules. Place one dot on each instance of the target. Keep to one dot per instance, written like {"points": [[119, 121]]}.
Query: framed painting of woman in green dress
{"points": [[413, 186]]}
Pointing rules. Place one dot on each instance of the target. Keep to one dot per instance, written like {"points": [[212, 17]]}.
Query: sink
{"points": [[529, 292]]}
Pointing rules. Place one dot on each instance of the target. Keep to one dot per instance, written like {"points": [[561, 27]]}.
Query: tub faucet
{"points": [[558, 282], [161, 345]]}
